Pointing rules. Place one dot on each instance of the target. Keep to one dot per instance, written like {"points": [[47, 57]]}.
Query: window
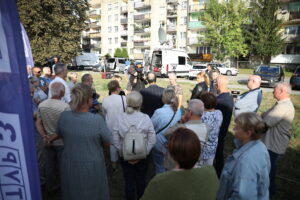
{"points": [[181, 60], [109, 6], [183, 20], [183, 4], [110, 51], [116, 29], [109, 29], [109, 18], [116, 17], [131, 51], [116, 40], [109, 40], [292, 30], [183, 35], [205, 50], [116, 6]]}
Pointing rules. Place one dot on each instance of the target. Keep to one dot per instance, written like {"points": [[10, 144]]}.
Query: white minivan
{"points": [[116, 64], [166, 61]]}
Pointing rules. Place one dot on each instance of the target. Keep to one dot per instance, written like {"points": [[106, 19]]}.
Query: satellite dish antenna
{"points": [[162, 36]]}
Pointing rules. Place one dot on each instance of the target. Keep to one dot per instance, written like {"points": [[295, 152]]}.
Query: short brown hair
{"points": [[113, 86], [209, 100], [184, 147]]}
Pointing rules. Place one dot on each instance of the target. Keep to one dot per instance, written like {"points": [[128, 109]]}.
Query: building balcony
{"points": [[138, 56], [95, 13], [142, 17], [294, 16], [171, 1], [85, 35], [96, 45], [141, 44], [141, 5], [123, 43], [193, 41], [95, 35], [196, 7], [171, 13], [196, 25], [86, 46], [123, 32], [95, 25], [124, 9], [143, 30], [124, 21], [293, 38], [171, 28]]}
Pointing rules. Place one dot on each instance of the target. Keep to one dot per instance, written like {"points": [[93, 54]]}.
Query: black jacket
{"points": [[152, 99], [198, 90]]}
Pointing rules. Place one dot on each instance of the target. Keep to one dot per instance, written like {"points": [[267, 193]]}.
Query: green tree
{"points": [[264, 35], [53, 27], [107, 56], [125, 53], [224, 22], [118, 53]]}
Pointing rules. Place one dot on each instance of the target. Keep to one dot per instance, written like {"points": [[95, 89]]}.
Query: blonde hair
{"points": [[204, 76], [80, 95], [134, 102], [169, 97], [71, 74]]}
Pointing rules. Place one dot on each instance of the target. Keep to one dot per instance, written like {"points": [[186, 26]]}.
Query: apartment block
{"points": [[290, 14], [134, 25]]}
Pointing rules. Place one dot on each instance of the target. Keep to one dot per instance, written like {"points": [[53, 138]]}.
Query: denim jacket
{"points": [[246, 173]]}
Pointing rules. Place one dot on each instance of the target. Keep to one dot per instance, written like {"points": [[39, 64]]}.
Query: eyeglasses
{"points": [[38, 72]]}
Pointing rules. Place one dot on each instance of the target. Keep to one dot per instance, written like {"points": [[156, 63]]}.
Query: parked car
{"points": [[270, 75], [223, 69], [295, 79], [196, 69]]}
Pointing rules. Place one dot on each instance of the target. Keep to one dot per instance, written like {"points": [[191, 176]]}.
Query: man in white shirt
{"points": [[61, 72]]}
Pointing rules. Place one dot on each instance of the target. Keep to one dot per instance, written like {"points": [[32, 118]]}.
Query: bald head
{"points": [[151, 77], [253, 82], [222, 84]]}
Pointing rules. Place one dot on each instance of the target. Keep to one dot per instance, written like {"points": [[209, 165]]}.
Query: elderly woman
{"points": [[162, 119], [213, 119], [184, 182], [134, 171], [246, 172], [201, 86], [83, 172], [39, 95]]}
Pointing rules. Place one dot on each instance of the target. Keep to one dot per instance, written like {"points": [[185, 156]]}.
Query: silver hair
{"points": [[59, 68], [169, 97], [286, 87], [196, 106], [134, 102], [56, 89]]}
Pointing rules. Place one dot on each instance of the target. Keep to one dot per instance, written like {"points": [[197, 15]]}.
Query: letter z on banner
{"points": [[18, 165]]}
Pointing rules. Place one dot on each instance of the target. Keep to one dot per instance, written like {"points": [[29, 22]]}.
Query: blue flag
{"points": [[18, 165]]}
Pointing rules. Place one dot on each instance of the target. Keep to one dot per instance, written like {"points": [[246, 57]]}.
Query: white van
{"points": [[116, 64], [86, 61], [166, 61]]}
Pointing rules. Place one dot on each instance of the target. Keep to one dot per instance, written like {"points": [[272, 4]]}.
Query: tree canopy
{"points": [[264, 35], [53, 27]]}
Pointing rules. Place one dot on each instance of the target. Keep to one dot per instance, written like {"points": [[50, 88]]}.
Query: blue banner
{"points": [[18, 164]]}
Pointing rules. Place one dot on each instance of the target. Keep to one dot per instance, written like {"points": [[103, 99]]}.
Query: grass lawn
{"points": [[288, 179]]}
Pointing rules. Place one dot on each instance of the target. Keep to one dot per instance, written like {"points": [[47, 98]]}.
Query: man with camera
{"points": [[137, 81]]}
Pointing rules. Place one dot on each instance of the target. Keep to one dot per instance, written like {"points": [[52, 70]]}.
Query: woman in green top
{"points": [[184, 182]]}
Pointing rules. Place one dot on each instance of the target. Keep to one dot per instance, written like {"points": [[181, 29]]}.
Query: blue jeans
{"points": [[274, 157], [52, 167], [135, 178], [158, 158]]}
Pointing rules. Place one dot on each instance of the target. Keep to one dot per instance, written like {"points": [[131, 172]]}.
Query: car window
{"points": [[181, 60], [121, 61], [297, 70], [199, 67], [111, 60], [271, 70]]}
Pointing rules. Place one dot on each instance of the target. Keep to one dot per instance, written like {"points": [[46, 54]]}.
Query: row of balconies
{"points": [[95, 24], [141, 5], [141, 44], [95, 13], [196, 7], [142, 17]]}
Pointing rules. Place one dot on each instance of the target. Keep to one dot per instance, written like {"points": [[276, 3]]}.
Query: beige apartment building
{"points": [[134, 25]]}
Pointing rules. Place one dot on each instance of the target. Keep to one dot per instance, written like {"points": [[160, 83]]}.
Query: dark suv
{"points": [[270, 75], [295, 79]]}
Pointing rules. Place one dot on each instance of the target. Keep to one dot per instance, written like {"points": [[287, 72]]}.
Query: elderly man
{"points": [[152, 96], [61, 72], [88, 80], [177, 88], [192, 120], [279, 120], [46, 123], [249, 101], [225, 105]]}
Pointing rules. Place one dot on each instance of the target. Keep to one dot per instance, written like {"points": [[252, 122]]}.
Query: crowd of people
{"points": [[149, 125]]}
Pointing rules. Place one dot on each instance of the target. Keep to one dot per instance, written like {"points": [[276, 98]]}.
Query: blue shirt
{"points": [[248, 102], [161, 118], [246, 173]]}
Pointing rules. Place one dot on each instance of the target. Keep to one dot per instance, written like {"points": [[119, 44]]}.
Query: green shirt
{"points": [[196, 183]]}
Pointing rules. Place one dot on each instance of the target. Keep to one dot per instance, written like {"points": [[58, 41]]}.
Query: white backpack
{"points": [[134, 144]]}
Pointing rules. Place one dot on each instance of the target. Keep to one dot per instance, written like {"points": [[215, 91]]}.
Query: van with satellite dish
{"points": [[168, 60]]}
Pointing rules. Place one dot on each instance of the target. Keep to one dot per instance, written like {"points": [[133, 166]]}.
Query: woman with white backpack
{"points": [[134, 137]]}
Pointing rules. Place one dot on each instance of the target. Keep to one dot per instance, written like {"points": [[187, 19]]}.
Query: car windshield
{"points": [[199, 67], [268, 70]]}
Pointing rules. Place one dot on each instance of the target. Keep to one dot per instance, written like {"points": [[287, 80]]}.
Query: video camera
{"points": [[235, 93]]}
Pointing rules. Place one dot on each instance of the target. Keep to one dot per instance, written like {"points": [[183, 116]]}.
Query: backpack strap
{"points": [[167, 124], [123, 103]]}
